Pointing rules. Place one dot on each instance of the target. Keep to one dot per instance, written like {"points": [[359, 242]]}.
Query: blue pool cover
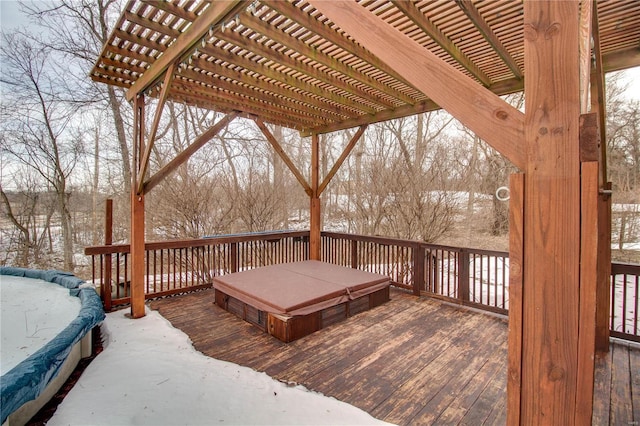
{"points": [[27, 380]]}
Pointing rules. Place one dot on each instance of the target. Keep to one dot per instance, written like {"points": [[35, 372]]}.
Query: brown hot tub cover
{"points": [[299, 288]]}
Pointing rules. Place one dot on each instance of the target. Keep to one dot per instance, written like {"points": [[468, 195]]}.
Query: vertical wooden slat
{"points": [[516, 261], [463, 275], [418, 268], [233, 257]]}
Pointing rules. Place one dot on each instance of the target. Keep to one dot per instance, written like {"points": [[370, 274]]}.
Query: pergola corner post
{"points": [[137, 214], [554, 359], [314, 208]]}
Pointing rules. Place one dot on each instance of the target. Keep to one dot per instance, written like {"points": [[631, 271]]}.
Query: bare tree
{"points": [[37, 119], [78, 31]]}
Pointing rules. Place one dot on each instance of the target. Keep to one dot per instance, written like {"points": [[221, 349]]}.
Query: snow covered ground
{"points": [[150, 374]]}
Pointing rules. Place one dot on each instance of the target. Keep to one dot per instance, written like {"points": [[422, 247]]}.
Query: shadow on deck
{"points": [[409, 361]]}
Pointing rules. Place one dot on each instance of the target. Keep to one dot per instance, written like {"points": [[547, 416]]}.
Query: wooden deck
{"points": [[410, 361]]}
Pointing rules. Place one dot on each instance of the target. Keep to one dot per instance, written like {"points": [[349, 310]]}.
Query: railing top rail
{"points": [[412, 243], [197, 242], [625, 268]]}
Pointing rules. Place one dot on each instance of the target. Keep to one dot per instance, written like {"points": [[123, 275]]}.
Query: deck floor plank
{"points": [[409, 361]]}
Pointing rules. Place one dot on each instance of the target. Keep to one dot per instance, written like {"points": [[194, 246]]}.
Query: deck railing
{"points": [[625, 301], [187, 265], [471, 277]]}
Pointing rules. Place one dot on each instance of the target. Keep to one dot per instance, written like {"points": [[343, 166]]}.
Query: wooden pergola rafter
{"points": [[321, 66]]}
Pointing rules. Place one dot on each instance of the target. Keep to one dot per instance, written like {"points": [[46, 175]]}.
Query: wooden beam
{"points": [[313, 94], [483, 27], [516, 262], [551, 275], [315, 227], [195, 95], [475, 106], [598, 96], [621, 60], [323, 30], [142, 41], [586, 10], [144, 164], [418, 18], [345, 153], [188, 152], [588, 283], [507, 87], [254, 87], [359, 99], [283, 155], [260, 93], [216, 12], [173, 8], [153, 25], [320, 57]]}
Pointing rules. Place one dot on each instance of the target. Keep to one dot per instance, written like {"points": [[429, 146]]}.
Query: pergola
{"points": [[323, 66]]}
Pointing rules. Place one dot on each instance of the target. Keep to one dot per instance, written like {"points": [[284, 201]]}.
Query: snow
{"points": [[32, 312], [150, 374]]}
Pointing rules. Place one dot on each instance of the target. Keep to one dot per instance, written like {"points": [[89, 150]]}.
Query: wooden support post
{"points": [[354, 254], [603, 287], [314, 221], [516, 261], [105, 288], [137, 216], [551, 276]]}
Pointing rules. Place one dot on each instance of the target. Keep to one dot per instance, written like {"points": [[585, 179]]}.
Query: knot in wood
{"points": [[556, 373], [501, 114], [530, 32], [551, 30]]}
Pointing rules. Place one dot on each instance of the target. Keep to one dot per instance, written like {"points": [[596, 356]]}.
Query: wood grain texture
{"points": [[212, 16], [516, 261], [603, 296], [475, 106], [392, 361], [137, 215], [588, 284], [552, 214]]}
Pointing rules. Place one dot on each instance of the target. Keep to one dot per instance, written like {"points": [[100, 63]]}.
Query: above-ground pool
{"points": [[47, 317]]}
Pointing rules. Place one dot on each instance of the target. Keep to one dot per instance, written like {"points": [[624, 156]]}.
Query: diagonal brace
{"points": [[188, 152], [283, 155], [144, 164], [345, 153]]}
